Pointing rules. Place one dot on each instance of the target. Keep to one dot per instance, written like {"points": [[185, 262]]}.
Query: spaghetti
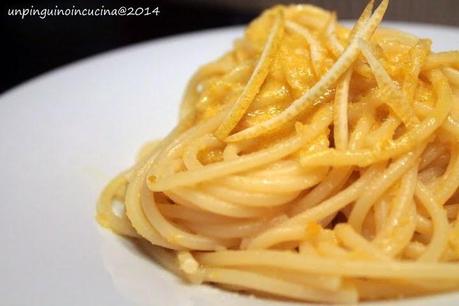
{"points": [[311, 162]]}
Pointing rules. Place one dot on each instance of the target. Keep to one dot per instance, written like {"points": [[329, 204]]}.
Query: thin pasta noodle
{"points": [[311, 162]]}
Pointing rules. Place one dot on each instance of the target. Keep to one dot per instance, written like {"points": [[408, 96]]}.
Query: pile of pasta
{"points": [[312, 162]]}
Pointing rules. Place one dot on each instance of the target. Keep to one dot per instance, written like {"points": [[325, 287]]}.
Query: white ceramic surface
{"points": [[63, 135]]}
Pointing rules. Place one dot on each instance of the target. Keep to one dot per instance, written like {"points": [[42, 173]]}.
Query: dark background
{"points": [[31, 46]]}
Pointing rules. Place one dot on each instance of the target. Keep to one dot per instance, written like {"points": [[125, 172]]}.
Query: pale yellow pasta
{"points": [[312, 162]]}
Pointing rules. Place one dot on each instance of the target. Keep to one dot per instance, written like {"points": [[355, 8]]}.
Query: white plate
{"points": [[64, 135]]}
